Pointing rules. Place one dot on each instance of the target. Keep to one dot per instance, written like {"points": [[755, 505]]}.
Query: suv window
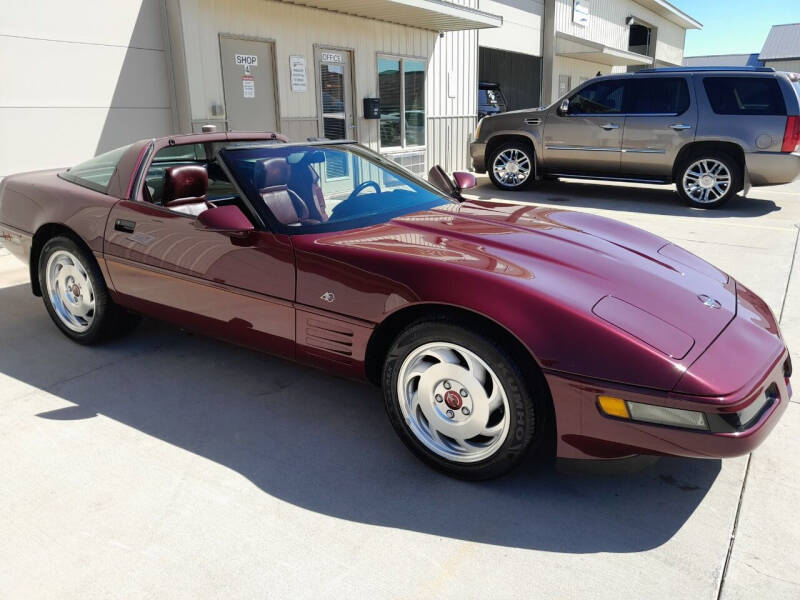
{"points": [[744, 95], [657, 95], [598, 98]]}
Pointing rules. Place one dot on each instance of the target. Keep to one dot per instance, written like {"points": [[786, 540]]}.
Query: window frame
{"points": [[402, 58]]}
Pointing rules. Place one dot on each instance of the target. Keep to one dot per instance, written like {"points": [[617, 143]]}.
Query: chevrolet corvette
{"points": [[492, 328]]}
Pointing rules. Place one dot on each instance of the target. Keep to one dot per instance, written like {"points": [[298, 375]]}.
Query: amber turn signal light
{"points": [[613, 407]]}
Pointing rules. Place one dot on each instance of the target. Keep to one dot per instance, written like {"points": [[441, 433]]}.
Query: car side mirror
{"points": [[225, 218], [563, 109], [464, 180]]}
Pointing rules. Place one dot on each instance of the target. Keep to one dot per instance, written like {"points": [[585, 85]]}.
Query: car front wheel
{"points": [[511, 167], [709, 180], [459, 402]]}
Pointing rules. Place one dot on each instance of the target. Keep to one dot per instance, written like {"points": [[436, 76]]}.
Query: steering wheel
{"points": [[361, 187]]}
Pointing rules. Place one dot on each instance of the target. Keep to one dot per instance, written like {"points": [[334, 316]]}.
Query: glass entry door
{"points": [[335, 85]]}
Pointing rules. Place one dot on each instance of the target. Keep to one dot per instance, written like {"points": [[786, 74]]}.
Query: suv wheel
{"points": [[511, 166], [709, 180]]}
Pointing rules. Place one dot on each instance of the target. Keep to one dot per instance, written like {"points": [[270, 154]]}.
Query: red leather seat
{"points": [[271, 178], [185, 189]]}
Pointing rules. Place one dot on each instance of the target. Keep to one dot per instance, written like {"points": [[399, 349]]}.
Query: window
{"points": [[603, 97], [657, 95], [96, 173], [744, 95], [639, 37], [285, 184], [401, 88], [564, 84]]}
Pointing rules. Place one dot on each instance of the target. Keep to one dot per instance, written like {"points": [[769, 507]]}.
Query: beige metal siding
{"points": [[297, 30], [793, 66], [88, 83], [607, 26], [522, 26]]}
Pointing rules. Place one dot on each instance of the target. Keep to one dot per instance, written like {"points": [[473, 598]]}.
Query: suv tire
{"points": [[709, 179], [511, 166]]}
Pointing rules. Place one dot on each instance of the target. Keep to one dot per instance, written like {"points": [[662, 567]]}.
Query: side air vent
{"points": [[533, 121], [326, 336]]}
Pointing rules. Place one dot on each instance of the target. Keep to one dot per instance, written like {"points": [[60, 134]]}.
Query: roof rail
{"points": [[694, 69]]}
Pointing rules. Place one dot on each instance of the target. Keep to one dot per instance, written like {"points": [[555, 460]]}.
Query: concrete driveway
{"points": [[168, 465]]}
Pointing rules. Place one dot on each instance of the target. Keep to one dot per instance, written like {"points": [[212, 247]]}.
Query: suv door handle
{"points": [[610, 126], [680, 126]]}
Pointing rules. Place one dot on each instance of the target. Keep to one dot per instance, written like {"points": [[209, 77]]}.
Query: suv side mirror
{"points": [[225, 218], [563, 109]]}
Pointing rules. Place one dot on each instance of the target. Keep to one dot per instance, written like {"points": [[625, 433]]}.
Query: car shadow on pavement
{"points": [[657, 200], [323, 443]]}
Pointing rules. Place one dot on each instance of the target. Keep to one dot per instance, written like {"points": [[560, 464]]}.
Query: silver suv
{"points": [[711, 131]]}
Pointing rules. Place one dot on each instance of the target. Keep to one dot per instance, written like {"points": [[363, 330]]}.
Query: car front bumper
{"points": [[585, 432], [477, 151], [772, 168]]}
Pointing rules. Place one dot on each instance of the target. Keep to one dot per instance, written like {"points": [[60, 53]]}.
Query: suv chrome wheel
{"points": [[70, 291], [706, 181], [453, 402], [511, 167]]}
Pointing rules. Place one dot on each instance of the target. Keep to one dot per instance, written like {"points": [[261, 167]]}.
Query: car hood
{"points": [[656, 291]]}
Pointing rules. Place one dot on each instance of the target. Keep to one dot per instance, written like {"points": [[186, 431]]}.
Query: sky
{"points": [[734, 26]]}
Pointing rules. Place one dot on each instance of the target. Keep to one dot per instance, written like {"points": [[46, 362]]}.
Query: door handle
{"points": [[680, 126], [610, 126], [124, 225]]}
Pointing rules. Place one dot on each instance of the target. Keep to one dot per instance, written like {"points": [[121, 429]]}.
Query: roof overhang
{"points": [[575, 47], [670, 13], [435, 15]]}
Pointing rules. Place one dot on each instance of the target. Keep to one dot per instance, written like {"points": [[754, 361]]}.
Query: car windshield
{"points": [[327, 187]]}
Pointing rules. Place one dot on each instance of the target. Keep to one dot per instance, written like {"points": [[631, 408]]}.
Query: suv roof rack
{"points": [[690, 69]]}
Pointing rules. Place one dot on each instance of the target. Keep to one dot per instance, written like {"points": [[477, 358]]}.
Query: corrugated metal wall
{"points": [[297, 29], [90, 76], [607, 26]]}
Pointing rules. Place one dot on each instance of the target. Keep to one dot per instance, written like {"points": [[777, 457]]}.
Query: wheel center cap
{"points": [[707, 181], [453, 400], [76, 290], [512, 167]]}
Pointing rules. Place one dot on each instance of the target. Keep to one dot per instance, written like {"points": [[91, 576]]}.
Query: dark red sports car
{"points": [[491, 327]]}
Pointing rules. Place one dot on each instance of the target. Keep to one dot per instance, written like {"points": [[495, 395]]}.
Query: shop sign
{"points": [[246, 60]]}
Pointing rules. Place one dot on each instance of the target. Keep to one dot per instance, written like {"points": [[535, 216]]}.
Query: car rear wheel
{"points": [[709, 180], [460, 403], [511, 166], [75, 294]]}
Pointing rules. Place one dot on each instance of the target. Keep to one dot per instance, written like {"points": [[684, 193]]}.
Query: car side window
{"points": [[657, 95], [603, 97], [744, 95]]}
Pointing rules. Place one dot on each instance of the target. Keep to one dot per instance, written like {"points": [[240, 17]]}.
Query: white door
{"points": [[249, 85]]}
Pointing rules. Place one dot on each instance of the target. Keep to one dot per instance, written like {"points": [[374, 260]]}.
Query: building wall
{"points": [[607, 26], [578, 71], [451, 103], [73, 86], [793, 66], [522, 26]]}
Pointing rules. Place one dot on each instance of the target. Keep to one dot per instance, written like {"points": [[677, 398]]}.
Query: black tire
{"points": [[108, 320], [523, 149], [528, 399], [733, 167]]}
